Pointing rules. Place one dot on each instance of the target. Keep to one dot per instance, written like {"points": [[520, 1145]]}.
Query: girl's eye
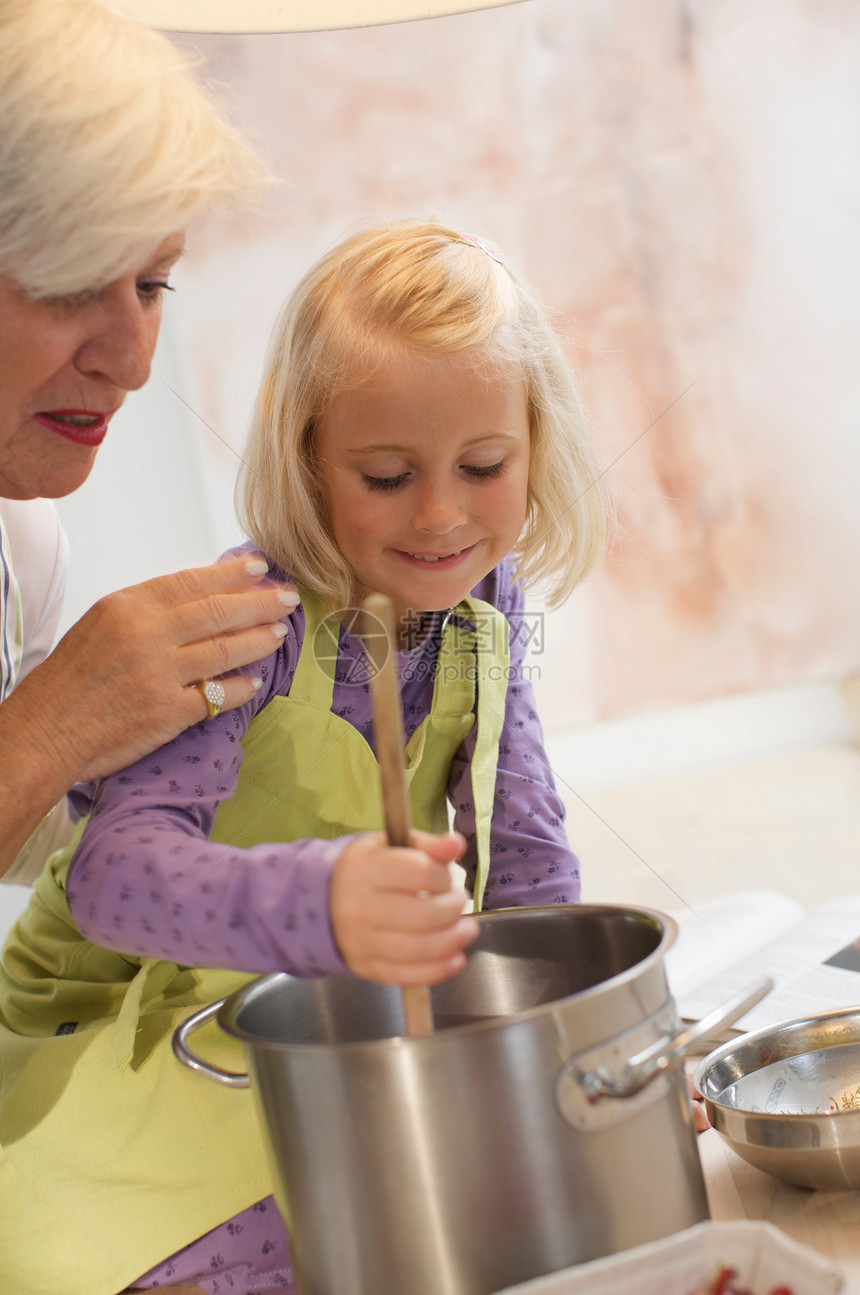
{"points": [[384, 483], [492, 470], [151, 290]]}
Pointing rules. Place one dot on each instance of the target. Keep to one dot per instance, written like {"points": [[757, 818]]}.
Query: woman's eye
{"points": [[384, 483], [492, 469], [151, 290]]}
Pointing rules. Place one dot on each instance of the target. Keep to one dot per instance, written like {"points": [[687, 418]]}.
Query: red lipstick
{"points": [[82, 426]]}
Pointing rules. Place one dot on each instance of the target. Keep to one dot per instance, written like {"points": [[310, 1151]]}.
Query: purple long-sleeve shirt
{"points": [[146, 879]]}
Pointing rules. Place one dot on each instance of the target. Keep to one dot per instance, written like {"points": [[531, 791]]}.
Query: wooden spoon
{"points": [[379, 636]]}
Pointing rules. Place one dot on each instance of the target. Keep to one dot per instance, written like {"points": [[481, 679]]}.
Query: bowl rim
{"points": [[772, 1036]]}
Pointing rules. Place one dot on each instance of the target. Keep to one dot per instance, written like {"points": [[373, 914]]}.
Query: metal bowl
{"points": [[782, 1098]]}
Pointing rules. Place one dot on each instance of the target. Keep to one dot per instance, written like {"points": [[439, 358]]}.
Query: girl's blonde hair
{"points": [[108, 144], [428, 288]]}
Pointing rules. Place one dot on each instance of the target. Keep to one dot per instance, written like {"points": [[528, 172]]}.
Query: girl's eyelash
{"points": [[472, 470], [384, 483], [492, 470]]}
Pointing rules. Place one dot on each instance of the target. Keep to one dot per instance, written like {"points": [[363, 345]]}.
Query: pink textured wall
{"points": [[680, 180]]}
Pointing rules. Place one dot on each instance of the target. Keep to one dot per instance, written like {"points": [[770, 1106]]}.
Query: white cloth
{"points": [[37, 554], [34, 555], [11, 618]]}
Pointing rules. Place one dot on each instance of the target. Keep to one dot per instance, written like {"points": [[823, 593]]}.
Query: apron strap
{"points": [[484, 642], [491, 643], [313, 679]]}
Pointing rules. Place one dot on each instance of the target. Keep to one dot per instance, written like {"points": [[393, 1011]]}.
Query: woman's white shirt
{"points": [[34, 555]]}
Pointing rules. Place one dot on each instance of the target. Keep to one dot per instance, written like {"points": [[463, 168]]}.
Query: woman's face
{"points": [[66, 364]]}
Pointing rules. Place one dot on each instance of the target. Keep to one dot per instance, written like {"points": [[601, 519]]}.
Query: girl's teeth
{"points": [[424, 558]]}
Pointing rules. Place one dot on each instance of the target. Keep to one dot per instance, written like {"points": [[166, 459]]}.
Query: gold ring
{"points": [[213, 694]]}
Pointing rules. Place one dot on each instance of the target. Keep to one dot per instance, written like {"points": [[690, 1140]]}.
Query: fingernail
{"points": [[256, 684], [280, 630], [289, 597], [256, 567]]}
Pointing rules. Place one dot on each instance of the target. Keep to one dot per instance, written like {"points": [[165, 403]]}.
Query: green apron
{"points": [[113, 1155]]}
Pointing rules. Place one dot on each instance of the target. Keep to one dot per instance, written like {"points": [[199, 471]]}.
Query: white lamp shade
{"points": [[291, 15]]}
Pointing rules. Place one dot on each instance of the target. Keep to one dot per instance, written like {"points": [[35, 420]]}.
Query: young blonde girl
{"points": [[417, 434]]}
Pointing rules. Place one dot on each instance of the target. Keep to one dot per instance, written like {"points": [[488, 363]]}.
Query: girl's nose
{"points": [[121, 341], [439, 511]]}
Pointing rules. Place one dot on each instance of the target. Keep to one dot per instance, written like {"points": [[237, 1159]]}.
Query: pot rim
{"points": [[231, 1006]]}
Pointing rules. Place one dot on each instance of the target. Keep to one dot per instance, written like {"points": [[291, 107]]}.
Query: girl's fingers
{"points": [[404, 948], [414, 973], [408, 871], [398, 959], [447, 848], [412, 913], [396, 915]]}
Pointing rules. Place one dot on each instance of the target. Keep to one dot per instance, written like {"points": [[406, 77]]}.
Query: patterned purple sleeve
{"points": [[147, 881], [531, 861]]}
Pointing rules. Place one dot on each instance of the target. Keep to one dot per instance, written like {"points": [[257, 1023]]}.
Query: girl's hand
{"points": [[396, 914]]}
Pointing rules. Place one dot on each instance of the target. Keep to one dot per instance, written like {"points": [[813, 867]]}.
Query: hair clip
{"points": [[476, 242]]}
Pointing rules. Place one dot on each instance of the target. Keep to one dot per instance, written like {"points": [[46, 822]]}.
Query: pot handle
{"points": [[654, 1060], [230, 1078]]}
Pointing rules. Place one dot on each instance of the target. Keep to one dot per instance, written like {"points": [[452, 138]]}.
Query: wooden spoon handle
{"points": [[379, 636]]}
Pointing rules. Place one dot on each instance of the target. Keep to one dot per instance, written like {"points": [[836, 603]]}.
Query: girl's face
{"points": [[425, 470], [66, 365]]}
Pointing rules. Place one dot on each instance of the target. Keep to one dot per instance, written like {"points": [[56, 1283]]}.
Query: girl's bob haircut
{"points": [[108, 144], [435, 291]]}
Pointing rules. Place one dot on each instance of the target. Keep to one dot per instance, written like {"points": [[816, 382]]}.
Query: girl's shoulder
{"points": [[276, 669], [501, 589], [240, 550]]}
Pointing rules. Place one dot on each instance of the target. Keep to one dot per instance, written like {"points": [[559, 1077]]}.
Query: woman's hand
{"points": [[121, 682], [396, 914], [700, 1115]]}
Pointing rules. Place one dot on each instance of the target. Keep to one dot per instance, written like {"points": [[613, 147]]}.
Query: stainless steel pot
{"points": [[545, 1123]]}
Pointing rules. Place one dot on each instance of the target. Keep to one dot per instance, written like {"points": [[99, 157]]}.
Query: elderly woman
{"points": [[109, 149]]}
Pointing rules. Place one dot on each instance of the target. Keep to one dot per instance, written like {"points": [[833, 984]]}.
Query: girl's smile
{"points": [[425, 471], [443, 560]]}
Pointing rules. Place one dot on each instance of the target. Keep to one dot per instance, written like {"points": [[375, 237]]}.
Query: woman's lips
{"points": [[436, 561], [82, 426]]}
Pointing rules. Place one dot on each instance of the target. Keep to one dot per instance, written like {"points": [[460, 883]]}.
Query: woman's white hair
{"points": [[108, 143]]}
